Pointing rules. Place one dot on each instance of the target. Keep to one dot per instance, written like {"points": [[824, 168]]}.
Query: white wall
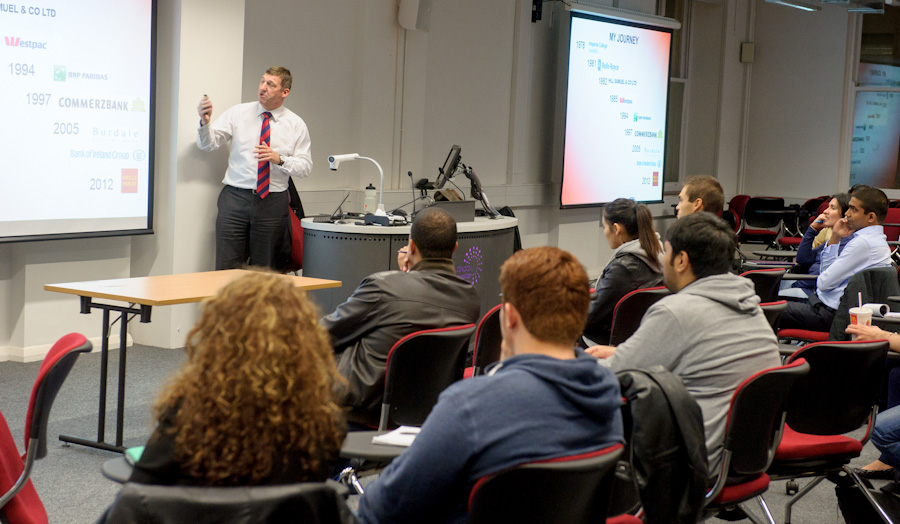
{"points": [[797, 93]]}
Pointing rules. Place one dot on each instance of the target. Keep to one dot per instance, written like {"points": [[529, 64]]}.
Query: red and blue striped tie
{"points": [[262, 172]]}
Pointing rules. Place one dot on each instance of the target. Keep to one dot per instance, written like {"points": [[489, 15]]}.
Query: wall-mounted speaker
{"points": [[415, 15]]}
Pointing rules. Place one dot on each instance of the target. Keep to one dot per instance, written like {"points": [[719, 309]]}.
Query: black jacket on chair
{"points": [[667, 445], [384, 308], [625, 273]]}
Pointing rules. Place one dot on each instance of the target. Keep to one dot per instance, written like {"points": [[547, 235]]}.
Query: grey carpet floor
{"points": [[73, 490]]}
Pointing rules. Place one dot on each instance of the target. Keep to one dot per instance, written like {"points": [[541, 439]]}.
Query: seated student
{"points": [[388, 305], [886, 434], [254, 403], [710, 331], [809, 252], [628, 228], [700, 193], [545, 399], [867, 249]]}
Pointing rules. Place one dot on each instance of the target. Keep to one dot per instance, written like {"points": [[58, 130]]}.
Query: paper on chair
{"points": [[402, 436]]}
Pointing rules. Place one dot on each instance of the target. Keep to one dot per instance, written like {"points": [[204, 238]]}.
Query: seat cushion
{"points": [[746, 489], [789, 241], [803, 334], [798, 446]]}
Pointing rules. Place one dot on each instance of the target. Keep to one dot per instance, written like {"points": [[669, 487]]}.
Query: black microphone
{"points": [[412, 187]]}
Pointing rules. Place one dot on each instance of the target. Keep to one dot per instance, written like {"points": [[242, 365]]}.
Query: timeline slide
{"points": [[876, 129], [616, 105], [76, 144]]}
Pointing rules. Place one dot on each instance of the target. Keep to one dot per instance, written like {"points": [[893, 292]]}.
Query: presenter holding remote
{"points": [[269, 143]]}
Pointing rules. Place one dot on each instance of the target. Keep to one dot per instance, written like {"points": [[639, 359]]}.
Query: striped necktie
{"points": [[262, 171]]}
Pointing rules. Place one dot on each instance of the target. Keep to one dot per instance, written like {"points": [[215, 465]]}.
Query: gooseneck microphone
{"points": [[412, 187]]}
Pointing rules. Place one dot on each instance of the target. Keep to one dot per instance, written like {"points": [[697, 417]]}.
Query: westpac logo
{"points": [[15, 41]]}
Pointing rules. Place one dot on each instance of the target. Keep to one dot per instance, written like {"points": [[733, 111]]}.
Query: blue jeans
{"points": [[886, 436]]}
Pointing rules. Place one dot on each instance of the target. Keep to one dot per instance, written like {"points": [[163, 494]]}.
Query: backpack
{"points": [[666, 447]]}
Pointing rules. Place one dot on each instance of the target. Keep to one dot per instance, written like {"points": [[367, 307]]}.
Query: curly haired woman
{"points": [[254, 403]]}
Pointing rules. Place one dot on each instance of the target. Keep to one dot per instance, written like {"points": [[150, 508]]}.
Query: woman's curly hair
{"points": [[257, 387]]}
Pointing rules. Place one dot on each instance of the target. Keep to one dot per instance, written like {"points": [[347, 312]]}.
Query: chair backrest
{"points": [[893, 217], [773, 311], [313, 502], [756, 416], [419, 367], [572, 489], [766, 282], [487, 340], [630, 310], [53, 372], [737, 204], [756, 421], [759, 220], [841, 389]]}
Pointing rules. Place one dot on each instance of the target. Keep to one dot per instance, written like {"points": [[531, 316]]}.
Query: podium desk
{"points": [[351, 252], [141, 294]]}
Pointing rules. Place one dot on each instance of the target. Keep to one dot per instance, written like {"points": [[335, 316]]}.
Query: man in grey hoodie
{"points": [[710, 332]]}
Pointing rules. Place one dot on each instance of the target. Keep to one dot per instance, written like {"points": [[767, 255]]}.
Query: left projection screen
{"points": [[76, 142]]}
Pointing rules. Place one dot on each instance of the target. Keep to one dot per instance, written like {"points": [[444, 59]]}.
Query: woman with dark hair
{"points": [[809, 252], [635, 264], [254, 403]]}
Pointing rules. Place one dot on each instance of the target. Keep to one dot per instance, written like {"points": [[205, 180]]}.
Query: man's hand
{"points": [[205, 109], [403, 258], [600, 351], [840, 231], [265, 153]]}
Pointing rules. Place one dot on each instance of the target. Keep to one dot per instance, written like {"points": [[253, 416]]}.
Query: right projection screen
{"points": [[876, 129], [616, 106]]}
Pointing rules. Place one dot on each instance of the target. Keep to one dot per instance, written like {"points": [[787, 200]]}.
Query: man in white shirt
{"points": [[269, 144]]}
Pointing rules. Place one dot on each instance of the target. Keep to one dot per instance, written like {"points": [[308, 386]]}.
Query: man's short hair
{"points": [[434, 232], [284, 73], [708, 190], [873, 201], [549, 288], [856, 187], [708, 241]]}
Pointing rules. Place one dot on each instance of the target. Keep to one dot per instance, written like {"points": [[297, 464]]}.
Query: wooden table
{"points": [[141, 294]]}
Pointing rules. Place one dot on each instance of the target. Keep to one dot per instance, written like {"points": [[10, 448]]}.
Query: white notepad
{"points": [[402, 436]]}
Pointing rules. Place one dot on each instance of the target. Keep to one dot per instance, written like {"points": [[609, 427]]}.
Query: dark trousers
{"points": [[815, 316], [249, 227]]}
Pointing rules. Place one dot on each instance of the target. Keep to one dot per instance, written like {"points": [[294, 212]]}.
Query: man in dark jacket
{"points": [[392, 304], [543, 400]]}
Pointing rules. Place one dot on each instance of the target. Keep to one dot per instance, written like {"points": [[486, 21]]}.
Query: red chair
{"points": [[737, 204], [487, 342], [807, 213], [766, 282], [20, 503], [757, 224], [572, 489], [419, 367], [630, 310], [839, 395], [752, 433]]}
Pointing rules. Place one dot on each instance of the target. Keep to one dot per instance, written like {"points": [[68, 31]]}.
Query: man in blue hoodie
{"points": [[544, 399]]}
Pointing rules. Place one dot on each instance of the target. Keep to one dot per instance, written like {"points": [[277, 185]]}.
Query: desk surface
{"points": [[163, 290], [479, 224]]}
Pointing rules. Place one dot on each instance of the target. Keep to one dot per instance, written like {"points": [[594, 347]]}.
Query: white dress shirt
{"points": [[241, 124]]}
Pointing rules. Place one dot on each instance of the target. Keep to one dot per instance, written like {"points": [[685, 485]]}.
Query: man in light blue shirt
{"points": [[867, 249]]}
